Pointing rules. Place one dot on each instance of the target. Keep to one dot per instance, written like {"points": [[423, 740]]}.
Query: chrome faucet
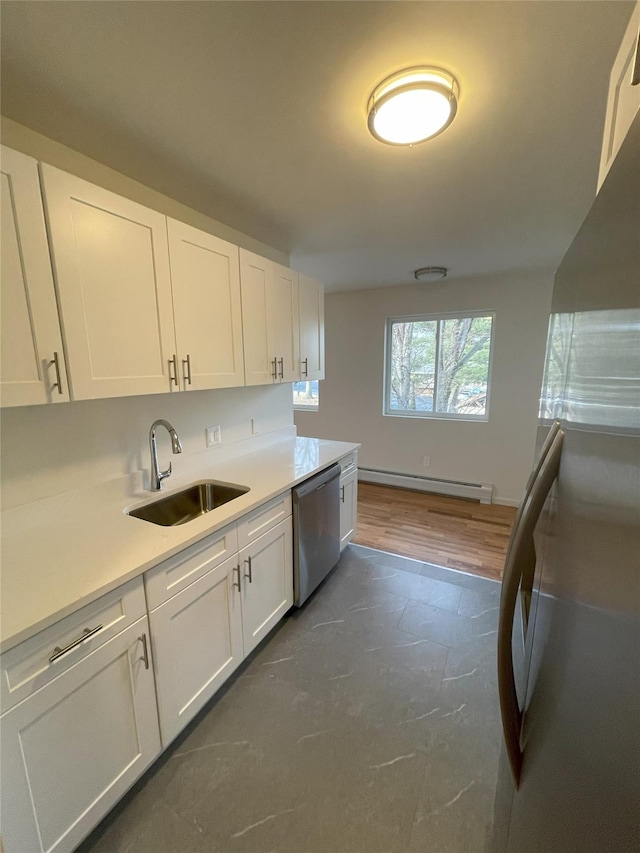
{"points": [[158, 476]]}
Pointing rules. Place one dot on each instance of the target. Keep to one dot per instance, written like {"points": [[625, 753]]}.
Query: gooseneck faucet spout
{"points": [[158, 476]]}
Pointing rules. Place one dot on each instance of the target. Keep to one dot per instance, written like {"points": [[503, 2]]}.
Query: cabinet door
{"points": [[31, 340], [283, 323], [111, 264], [256, 276], [267, 583], [205, 277], [623, 101], [197, 643], [72, 749], [348, 507], [311, 303]]}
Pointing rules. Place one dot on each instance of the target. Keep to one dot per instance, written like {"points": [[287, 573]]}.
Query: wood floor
{"points": [[451, 532]]}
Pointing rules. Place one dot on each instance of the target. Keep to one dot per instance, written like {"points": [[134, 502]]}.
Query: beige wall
{"points": [[48, 450], [42, 148], [499, 451]]}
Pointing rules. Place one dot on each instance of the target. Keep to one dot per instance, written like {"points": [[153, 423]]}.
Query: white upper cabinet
{"points": [[270, 320], [143, 304], [624, 94], [205, 276], [255, 280], [311, 301], [32, 365], [111, 265], [282, 323]]}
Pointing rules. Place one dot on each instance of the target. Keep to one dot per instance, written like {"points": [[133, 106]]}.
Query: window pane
{"points": [[463, 365], [412, 366], [306, 394]]}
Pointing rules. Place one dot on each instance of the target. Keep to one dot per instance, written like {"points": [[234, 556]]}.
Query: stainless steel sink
{"points": [[188, 504]]}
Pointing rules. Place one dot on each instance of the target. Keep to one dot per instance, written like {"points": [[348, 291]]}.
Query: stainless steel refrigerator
{"points": [[569, 640]]}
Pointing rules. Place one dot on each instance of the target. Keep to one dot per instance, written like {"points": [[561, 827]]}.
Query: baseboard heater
{"points": [[482, 492]]}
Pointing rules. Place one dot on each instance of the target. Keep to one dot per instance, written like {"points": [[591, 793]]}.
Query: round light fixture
{"points": [[413, 105], [430, 273]]}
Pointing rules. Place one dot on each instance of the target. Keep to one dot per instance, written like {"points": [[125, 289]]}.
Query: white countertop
{"points": [[61, 553]]}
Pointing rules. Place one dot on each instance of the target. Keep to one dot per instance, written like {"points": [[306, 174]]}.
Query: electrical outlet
{"points": [[426, 461], [214, 435], [255, 426]]}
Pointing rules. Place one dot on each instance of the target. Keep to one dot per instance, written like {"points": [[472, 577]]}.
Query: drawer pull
{"points": [[145, 650], [281, 372], [342, 493], [239, 584], [274, 365], [88, 632], [173, 374], [186, 374], [58, 383], [305, 361], [250, 575]]}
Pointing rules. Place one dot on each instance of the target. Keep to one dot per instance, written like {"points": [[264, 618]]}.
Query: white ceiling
{"points": [[254, 113]]}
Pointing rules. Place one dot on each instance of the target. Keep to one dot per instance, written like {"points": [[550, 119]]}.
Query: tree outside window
{"points": [[306, 394], [445, 359]]}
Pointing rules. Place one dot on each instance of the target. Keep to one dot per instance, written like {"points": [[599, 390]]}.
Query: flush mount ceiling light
{"points": [[413, 105], [430, 273]]}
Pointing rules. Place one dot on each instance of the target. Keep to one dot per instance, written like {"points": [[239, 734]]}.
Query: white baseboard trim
{"points": [[505, 502], [482, 492]]}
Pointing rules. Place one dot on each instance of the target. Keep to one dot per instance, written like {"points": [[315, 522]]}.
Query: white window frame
{"points": [[419, 318]]}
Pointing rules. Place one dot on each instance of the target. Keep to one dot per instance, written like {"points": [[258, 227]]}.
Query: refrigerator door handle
{"points": [[519, 564]]}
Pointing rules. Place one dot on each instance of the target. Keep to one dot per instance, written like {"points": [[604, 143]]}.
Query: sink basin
{"points": [[188, 504]]}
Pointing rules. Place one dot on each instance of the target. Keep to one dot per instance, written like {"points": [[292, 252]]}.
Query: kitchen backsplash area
{"points": [[49, 450]]}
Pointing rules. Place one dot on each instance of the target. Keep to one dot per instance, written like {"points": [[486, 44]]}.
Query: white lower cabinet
{"points": [[266, 566], [197, 643], [73, 747], [83, 716], [212, 607], [348, 500]]}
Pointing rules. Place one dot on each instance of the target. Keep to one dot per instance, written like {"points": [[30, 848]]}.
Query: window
{"points": [[441, 359], [306, 395]]}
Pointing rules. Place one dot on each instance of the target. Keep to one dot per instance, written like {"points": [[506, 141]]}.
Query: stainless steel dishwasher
{"points": [[316, 531]]}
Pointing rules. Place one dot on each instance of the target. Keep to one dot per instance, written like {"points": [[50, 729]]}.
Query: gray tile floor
{"points": [[368, 721]]}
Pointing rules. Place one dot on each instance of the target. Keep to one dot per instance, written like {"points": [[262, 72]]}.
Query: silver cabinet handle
{"points": [[519, 564], [274, 368], [281, 374], [237, 569], [250, 575], [342, 493], [56, 363], [186, 374], [305, 361], [88, 632], [145, 650], [173, 377]]}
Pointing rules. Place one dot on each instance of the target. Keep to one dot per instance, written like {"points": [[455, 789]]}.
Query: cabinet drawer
{"points": [[175, 574], [253, 525], [27, 667], [348, 464]]}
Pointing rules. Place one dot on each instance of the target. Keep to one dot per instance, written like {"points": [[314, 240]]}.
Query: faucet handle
{"points": [[163, 474]]}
